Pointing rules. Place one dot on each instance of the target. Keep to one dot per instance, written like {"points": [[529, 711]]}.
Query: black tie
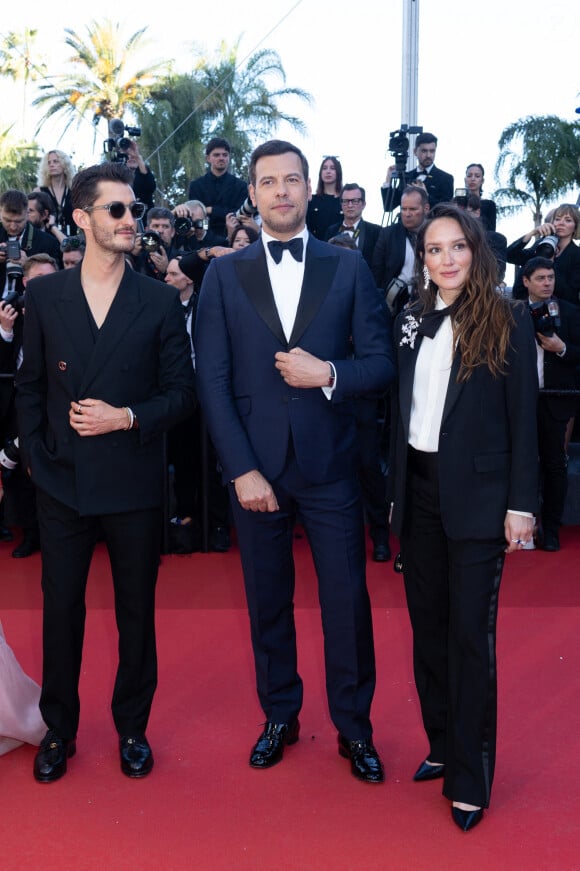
{"points": [[295, 247], [430, 322]]}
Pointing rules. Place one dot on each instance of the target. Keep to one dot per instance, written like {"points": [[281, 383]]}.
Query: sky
{"points": [[481, 67]]}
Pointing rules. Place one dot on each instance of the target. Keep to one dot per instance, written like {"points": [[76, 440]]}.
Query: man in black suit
{"points": [[106, 369], [364, 233], [558, 346], [276, 326], [219, 190], [437, 183], [393, 263]]}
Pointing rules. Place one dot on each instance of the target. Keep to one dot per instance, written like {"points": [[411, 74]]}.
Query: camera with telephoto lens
{"points": [[547, 247], [115, 147], [399, 145], [10, 455], [545, 316], [12, 249], [15, 299], [151, 241], [247, 209]]}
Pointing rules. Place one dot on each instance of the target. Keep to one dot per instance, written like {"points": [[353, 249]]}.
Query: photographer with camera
{"points": [[557, 328], [393, 263], [73, 250], [19, 491], [18, 240], [437, 183], [200, 243], [219, 190], [155, 247]]}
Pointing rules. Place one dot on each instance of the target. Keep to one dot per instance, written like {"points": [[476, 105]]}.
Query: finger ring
{"points": [[79, 410], [516, 540]]}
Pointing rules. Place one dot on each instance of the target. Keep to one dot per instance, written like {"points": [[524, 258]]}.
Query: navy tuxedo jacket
{"points": [[252, 414], [141, 358], [488, 453]]}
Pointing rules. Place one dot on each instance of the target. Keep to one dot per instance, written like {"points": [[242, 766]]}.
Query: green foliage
{"points": [[539, 160], [18, 163]]}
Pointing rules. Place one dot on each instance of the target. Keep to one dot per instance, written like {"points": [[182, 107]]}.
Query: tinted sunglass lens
{"points": [[138, 210], [117, 210]]}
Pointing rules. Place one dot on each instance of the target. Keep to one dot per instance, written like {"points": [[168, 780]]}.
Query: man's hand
{"points": [[91, 417], [518, 531], [255, 493], [301, 369], [551, 343], [8, 315], [159, 260]]}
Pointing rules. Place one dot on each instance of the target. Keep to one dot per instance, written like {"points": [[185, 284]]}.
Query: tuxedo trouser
{"points": [[452, 592], [67, 542], [331, 515], [553, 465]]}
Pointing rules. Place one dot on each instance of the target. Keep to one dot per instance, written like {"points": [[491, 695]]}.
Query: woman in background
{"points": [[324, 207], [474, 175], [464, 482], [55, 175]]}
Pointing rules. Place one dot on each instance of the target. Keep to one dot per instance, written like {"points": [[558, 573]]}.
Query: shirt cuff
{"points": [[328, 391], [521, 513], [5, 335]]}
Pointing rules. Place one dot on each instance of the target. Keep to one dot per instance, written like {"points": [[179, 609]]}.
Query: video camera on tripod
{"points": [[115, 147], [399, 147]]}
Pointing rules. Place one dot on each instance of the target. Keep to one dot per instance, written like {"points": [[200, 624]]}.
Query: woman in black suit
{"points": [[474, 175], [464, 485]]}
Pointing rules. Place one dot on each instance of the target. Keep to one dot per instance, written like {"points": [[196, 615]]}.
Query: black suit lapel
{"points": [[255, 281], [454, 387], [319, 273], [407, 361], [71, 307]]}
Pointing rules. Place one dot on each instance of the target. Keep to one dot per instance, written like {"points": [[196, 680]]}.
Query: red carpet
{"points": [[204, 808]]}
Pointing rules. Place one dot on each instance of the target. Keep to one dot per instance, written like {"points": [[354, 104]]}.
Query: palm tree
{"points": [[540, 154], [17, 63], [240, 102], [102, 80], [18, 163]]}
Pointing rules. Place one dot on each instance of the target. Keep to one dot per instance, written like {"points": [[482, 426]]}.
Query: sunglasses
{"points": [[117, 209]]}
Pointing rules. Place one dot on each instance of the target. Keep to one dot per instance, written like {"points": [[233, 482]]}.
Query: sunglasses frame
{"points": [[115, 204]]}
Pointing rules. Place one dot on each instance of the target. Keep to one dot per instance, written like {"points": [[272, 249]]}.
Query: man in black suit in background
{"points": [[363, 233], [106, 369], [219, 190], [437, 183], [558, 347]]}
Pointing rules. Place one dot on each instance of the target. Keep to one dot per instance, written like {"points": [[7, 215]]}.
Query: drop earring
{"points": [[426, 277]]}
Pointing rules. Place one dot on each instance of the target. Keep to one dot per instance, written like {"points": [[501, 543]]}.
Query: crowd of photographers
{"points": [[175, 246]]}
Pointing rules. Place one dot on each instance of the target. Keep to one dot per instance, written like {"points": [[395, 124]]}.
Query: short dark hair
{"points": [[353, 186], [85, 184], [41, 257], [425, 139], [535, 263], [14, 201], [161, 214], [275, 147], [343, 240], [217, 142], [43, 200], [415, 189]]}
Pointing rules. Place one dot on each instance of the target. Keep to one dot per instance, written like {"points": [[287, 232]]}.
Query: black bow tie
{"points": [[430, 322], [294, 246]]}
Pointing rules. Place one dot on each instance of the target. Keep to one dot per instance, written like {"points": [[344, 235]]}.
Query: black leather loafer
{"points": [[466, 820], [550, 541], [136, 755], [429, 772], [269, 748], [365, 762], [50, 761], [27, 547]]}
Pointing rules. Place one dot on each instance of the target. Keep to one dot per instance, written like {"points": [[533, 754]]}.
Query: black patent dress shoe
{"points": [[5, 534], [136, 755], [466, 820], [269, 748], [50, 761], [365, 762], [219, 539], [27, 547], [381, 553], [429, 772]]}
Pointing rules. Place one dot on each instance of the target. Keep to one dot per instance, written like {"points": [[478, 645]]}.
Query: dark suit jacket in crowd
{"points": [[140, 358], [562, 372], [488, 454], [33, 242], [389, 254], [368, 233], [439, 186], [224, 193]]}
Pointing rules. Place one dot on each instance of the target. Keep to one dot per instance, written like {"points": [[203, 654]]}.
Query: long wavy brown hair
{"points": [[482, 319]]}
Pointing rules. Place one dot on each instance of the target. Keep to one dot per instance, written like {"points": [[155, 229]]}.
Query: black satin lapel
{"points": [[407, 361], [454, 388], [120, 318], [319, 273], [255, 281]]}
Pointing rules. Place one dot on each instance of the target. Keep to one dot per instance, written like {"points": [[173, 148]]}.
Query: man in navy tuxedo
{"points": [[289, 331]]}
